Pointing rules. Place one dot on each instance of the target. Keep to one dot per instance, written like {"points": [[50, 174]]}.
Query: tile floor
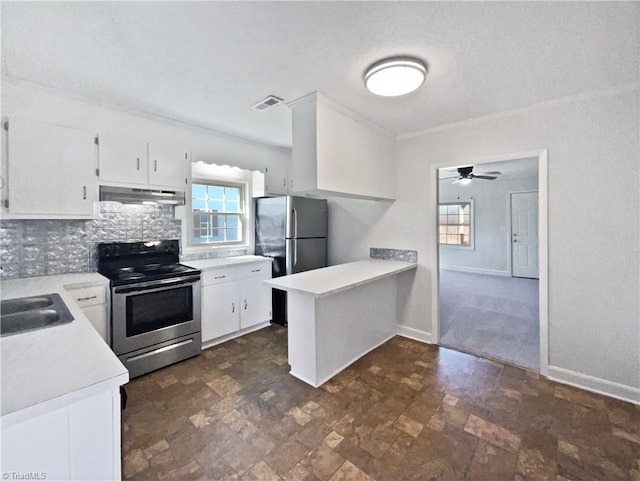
{"points": [[406, 411]]}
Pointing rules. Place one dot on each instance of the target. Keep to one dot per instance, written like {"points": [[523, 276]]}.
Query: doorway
{"points": [[491, 294]]}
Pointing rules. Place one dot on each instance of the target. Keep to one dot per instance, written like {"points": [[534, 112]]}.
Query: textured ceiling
{"points": [[208, 62]]}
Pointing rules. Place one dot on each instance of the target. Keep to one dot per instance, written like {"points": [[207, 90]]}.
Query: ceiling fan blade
{"points": [[447, 178], [491, 173], [485, 177]]}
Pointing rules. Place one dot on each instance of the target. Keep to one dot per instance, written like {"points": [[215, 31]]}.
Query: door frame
{"points": [[543, 243], [509, 223]]}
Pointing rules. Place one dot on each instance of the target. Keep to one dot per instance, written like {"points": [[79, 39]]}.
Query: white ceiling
{"points": [[208, 62]]}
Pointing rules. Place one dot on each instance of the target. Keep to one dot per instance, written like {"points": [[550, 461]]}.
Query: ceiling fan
{"points": [[466, 175]]}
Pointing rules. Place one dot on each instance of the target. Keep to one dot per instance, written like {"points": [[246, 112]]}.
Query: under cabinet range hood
{"points": [[131, 195]]}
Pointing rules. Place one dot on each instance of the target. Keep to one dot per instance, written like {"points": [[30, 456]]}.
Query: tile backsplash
{"points": [[31, 248], [216, 253], [393, 254]]}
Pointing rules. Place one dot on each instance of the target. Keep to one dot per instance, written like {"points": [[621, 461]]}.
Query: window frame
{"points": [[472, 222], [243, 214]]}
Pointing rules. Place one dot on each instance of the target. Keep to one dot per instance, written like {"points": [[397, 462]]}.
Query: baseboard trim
{"points": [[233, 335], [415, 334], [477, 270], [594, 384]]}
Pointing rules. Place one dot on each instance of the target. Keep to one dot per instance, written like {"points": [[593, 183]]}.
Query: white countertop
{"points": [[205, 264], [52, 367], [334, 279]]}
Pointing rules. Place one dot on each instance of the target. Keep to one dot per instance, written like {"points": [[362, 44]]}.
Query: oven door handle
{"points": [[157, 285]]}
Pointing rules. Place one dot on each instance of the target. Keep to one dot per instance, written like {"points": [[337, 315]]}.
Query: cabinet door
{"points": [[220, 310], [169, 165], [276, 180], [97, 316], [52, 169], [123, 159], [255, 301]]}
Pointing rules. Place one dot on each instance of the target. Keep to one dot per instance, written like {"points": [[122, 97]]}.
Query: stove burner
{"points": [[127, 263]]}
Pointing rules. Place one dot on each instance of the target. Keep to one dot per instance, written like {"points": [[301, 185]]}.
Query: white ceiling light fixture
{"points": [[395, 76]]}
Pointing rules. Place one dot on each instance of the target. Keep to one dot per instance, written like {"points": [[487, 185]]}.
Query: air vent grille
{"points": [[267, 103]]}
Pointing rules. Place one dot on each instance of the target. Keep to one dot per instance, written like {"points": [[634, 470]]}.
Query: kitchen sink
{"points": [[11, 306], [31, 313]]}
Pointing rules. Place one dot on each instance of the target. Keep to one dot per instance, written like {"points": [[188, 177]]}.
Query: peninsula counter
{"points": [[338, 314]]}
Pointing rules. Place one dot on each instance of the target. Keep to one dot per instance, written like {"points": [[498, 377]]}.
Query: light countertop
{"points": [[205, 264], [334, 279], [52, 367]]}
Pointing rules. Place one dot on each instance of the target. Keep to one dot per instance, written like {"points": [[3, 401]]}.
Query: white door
{"points": [[524, 234]]}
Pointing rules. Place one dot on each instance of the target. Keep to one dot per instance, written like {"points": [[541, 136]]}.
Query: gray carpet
{"points": [[491, 316]]}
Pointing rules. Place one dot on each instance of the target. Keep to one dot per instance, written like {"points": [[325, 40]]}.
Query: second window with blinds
{"points": [[455, 224], [218, 213]]}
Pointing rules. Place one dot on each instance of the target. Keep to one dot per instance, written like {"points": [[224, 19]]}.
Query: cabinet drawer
{"points": [[219, 275], [89, 296], [255, 269]]}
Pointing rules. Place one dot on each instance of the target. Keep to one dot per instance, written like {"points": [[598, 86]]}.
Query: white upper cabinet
{"points": [[276, 180], [123, 159], [52, 170], [337, 151], [156, 163], [169, 164]]}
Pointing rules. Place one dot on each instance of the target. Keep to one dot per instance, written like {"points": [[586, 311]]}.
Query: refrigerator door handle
{"points": [[294, 221], [295, 253]]}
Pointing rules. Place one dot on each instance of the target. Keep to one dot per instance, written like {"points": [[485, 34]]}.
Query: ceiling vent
{"points": [[267, 103]]}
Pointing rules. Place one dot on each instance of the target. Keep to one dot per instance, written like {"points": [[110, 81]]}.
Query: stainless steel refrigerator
{"points": [[293, 231]]}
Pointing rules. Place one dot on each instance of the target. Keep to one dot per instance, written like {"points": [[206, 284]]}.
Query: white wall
{"points": [[490, 253], [594, 240]]}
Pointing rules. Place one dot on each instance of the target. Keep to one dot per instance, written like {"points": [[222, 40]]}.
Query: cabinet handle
{"points": [[284, 182], [84, 192], [233, 307], [291, 183], [220, 277], [245, 304], [155, 166], [138, 163], [86, 298], [256, 270]]}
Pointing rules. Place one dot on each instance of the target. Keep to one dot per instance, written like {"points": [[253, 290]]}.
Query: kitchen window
{"points": [[218, 213], [455, 224]]}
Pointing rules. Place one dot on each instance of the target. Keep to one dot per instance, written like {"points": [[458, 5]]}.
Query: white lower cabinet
{"points": [[78, 442], [220, 315], [234, 298], [93, 302], [255, 299]]}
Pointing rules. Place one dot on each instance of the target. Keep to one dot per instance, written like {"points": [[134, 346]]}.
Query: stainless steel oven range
{"points": [[155, 304]]}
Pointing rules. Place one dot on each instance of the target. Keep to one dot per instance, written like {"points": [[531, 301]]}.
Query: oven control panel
{"points": [[124, 249]]}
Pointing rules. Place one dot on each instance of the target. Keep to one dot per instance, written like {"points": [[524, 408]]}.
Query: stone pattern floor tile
{"points": [[406, 411]]}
